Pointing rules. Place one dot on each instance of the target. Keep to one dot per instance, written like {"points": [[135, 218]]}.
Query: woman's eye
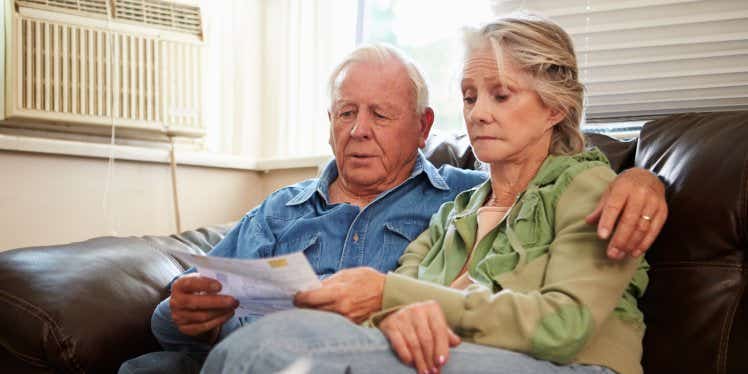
{"points": [[501, 98], [468, 100]]}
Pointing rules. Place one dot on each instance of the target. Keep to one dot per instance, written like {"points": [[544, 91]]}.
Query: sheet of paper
{"points": [[261, 286]]}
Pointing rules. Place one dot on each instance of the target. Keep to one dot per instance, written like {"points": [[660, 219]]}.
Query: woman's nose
{"points": [[480, 113]]}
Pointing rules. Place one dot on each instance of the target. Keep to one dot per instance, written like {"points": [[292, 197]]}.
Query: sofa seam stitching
{"points": [[44, 317], [726, 330]]}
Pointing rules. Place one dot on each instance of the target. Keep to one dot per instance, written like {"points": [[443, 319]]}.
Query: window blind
{"points": [[644, 58]]}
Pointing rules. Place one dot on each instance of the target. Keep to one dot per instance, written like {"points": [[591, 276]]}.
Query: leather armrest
{"points": [[87, 306]]}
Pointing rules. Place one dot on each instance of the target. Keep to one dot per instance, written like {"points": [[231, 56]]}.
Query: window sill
{"points": [[145, 154]]}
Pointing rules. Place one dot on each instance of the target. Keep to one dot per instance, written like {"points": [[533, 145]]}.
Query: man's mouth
{"points": [[360, 155]]}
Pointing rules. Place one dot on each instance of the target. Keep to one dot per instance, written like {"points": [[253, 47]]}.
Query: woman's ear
{"points": [[555, 116]]}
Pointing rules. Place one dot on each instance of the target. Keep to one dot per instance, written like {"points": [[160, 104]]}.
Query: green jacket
{"points": [[545, 286]]}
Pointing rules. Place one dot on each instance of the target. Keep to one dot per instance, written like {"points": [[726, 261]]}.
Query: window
{"points": [[430, 35], [693, 56]]}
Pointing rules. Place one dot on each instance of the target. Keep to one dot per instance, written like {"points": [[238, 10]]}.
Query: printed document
{"points": [[261, 286]]}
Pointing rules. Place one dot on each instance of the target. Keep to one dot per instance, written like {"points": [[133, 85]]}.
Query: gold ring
{"points": [[646, 217]]}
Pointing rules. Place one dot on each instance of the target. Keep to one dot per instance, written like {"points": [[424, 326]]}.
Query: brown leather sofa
{"points": [[85, 307]]}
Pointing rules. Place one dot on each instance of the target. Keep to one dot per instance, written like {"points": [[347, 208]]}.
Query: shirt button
{"points": [[355, 237]]}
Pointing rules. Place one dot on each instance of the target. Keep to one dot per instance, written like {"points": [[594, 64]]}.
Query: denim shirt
{"points": [[300, 217], [338, 236]]}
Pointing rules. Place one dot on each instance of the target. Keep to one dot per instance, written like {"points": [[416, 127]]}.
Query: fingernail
{"points": [[441, 360], [434, 371], [603, 233], [215, 287], [613, 252], [636, 253]]}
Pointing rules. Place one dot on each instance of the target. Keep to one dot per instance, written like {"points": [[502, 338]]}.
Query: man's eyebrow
{"points": [[385, 106], [337, 104]]}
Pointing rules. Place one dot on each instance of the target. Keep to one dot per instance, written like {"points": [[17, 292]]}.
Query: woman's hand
{"points": [[420, 336], [354, 293]]}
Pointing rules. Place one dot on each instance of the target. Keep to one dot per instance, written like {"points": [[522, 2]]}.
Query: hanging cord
{"points": [[106, 205], [174, 189]]}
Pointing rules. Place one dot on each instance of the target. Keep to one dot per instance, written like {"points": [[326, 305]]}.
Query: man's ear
{"points": [[426, 121], [329, 138]]}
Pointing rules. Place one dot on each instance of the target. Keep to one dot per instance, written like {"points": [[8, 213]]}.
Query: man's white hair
{"points": [[379, 54]]}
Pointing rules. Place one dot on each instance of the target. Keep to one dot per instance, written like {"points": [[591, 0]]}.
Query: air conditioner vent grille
{"points": [[71, 73], [98, 8], [169, 15]]}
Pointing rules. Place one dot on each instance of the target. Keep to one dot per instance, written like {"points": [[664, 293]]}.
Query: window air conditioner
{"points": [[89, 64]]}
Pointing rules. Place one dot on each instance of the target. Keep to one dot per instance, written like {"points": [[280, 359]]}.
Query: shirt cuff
{"points": [[400, 290]]}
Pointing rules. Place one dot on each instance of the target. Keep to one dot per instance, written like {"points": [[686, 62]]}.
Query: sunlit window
{"points": [[429, 32]]}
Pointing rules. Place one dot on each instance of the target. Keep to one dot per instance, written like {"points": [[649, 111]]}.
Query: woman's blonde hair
{"points": [[545, 51]]}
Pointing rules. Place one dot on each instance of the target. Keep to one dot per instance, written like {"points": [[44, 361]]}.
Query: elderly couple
{"points": [[441, 270]]}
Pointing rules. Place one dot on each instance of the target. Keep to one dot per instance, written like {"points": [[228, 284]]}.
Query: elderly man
{"points": [[367, 205]]}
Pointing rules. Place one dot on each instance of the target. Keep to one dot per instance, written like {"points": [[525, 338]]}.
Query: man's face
{"points": [[375, 130]]}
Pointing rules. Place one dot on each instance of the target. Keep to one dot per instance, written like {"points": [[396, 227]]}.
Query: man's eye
{"points": [[380, 115], [346, 114]]}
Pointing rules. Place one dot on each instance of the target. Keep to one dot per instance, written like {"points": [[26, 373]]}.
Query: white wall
{"points": [[49, 199]]}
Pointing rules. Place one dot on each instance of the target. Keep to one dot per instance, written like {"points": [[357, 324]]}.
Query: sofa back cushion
{"points": [[695, 307]]}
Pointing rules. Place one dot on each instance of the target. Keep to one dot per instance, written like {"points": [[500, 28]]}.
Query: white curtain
{"points": [[266, 64], [641, 58]]}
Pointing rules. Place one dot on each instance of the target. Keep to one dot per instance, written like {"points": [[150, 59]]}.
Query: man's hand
{"points": [[197, 309], [354, 293], [636, 199], [420, 336]]}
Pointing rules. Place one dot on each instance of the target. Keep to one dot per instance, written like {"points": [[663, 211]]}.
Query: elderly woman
{"points": [[508, 277]]}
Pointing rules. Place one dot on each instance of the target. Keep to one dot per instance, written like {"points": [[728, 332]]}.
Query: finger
{"points": [[630, 221], [200, 302], [642, 230], [441, 338], [594, 217], [633, 245], [315, 298], [203, 327], [193, 317], [398, 345], [414, 346], [609, 215], [426, 337], [196, 284], [654, 229], [454, 339]]}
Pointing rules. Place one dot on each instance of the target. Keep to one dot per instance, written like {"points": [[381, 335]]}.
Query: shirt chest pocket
{"points": [[310, 245], [397, 236]]}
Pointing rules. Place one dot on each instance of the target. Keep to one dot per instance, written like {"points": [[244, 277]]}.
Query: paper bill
{"points": [[261, 286]]}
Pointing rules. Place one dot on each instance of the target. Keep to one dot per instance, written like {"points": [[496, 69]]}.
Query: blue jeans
{"points": [[302, 341], [183, 353], [164, 363]]}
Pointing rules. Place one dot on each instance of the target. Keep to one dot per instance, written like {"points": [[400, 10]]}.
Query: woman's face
{"points": [[505, 118]]}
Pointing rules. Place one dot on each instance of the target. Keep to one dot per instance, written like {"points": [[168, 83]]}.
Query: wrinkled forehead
{"points": [[385, 80], [494, 63]]}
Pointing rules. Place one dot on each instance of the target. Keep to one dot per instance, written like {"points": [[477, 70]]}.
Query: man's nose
{"points": [[362, 127]]}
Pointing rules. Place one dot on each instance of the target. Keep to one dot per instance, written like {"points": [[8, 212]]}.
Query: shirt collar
{"points": [[330, 172]]}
